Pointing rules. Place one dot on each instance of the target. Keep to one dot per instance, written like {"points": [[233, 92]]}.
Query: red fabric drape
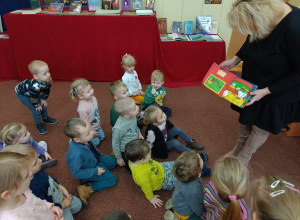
{"points": [[8, 69]]}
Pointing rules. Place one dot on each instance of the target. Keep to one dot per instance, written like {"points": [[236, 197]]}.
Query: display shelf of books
{"points": [[195, 37]]}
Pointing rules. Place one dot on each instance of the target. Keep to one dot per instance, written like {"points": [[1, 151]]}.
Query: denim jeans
{"points": [[171, 133], [101, 136], [36, 115], [72, 209]]}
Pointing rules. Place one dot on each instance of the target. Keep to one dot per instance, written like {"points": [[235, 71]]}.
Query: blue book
{"points": [[94, 5], [188, 27]]}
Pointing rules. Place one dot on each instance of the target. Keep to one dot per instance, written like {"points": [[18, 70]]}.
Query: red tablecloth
{"points": [[8, 69]]}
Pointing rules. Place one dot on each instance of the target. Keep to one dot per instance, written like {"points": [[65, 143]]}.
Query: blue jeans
{"points": [[166, 110], [36, 115], [106, 179], [101, 136], [72, 209], [171, 133]]}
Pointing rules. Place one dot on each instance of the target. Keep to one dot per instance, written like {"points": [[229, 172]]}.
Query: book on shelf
{"points": [[150, 4], [4, 36], [144, 12], [125, 4], [55, 7], [214, 27], [35, 3], [162, 26], [204, 37], [1, 27], [177, 27], [75, 8], [106, 5], [188, 27], [107, 12], [115, 4], [31, 11], [228, 86], [94, 5], [136, 4], [174, 37], [203, 24]]}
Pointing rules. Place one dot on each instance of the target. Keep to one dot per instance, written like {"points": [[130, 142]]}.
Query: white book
{"points": [[144, 12], [214, 27], [1, 28], [203, 24], [31, 11]]}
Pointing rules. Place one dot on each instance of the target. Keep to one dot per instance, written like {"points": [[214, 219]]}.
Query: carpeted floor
{"points": [[200, 113]]}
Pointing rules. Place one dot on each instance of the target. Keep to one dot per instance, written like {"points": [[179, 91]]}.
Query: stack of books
{"points": [[100, 11], [197, 37], [144, 12]]}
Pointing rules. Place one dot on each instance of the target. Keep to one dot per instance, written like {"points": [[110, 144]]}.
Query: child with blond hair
{"points": [[156, 94], [223, 195], [131, 79], [88, 107], [17, 133], [16, 200], [34, 92], [275, 198]]}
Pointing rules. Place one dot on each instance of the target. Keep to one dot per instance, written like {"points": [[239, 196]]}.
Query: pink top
{"points": [[89, 112], [32, 209]]}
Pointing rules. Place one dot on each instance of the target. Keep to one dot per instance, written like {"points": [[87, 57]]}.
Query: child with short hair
{"points": [[147, 173], [130, 78], [85, 161], [275, 198], [116, 215], [88, 107], [155, 93], [34, 92], [47, 188], [17, 133], [160, 132], [118, 90], [16, 200], [187, 198], [223, 195], [125, 129]]}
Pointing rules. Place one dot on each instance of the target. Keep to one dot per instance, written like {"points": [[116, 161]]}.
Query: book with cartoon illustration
{"points": [[229, 86]]}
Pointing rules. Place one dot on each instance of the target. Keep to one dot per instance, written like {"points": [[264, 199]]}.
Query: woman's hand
{"points": [[228, 64], [257, 95]]}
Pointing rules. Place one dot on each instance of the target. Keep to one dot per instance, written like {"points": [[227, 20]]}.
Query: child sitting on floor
{"points": [[156, 94], [275, 198], [223, 195], [85, 161], [88, 107], [130, 78], [187, 198], [16, 133], [125, 129], [147, 173], [16, 200], [34, 92]]}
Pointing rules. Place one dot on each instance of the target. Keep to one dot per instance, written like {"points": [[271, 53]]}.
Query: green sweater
{"points": [[159, 97]]}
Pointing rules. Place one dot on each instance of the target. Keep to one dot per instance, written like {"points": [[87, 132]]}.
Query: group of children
{"points": [[27, 192]]}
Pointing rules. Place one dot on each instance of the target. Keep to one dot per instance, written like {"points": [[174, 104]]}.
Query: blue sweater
{"points": [[32, 143], [81, 160]]}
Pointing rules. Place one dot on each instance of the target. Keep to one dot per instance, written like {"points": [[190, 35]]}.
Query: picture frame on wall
{"points": [[106, 5], [126, 5]]}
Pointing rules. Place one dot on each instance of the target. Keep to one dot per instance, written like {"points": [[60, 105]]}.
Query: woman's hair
{"points": [[114, 86], [116, 215], [231, 178], [157, 75], [77, 86], [122, 105], [284, 205], [151, 114], [137, 150], [255, 17], [71, 127], [35, 65], [187, 167], [10, 133], [128, 60]]}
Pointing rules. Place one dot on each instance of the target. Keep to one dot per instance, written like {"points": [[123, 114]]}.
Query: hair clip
{"points": [[232, 197], [288, 183], [292, 188], [71, 91], [276, 193], [274, 184]]}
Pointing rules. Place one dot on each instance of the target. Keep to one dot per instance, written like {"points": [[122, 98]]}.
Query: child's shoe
{"points": [[170, 216], [50, 121], [41, 128], [194, 145], [84, 193], [168, 204], [206, 171], [47, 163]]}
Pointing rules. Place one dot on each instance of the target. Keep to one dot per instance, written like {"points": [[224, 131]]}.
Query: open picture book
{"points": [[229, 86]]}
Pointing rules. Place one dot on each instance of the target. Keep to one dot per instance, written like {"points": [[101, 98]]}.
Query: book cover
{"points": [[203, 24], [162, 26], [177, 27], [212, 1], [75, 8], [115, 4], [144, 12], [136, 4], [100, 11], [55, 7], [209, 37], [229, 86], [4, 36], [35, 3], [125, 4], [94, 5], [150, 4], [197, 37], [214, 27], [167, 37], [106, 5], [188, 27], [31, 11]]}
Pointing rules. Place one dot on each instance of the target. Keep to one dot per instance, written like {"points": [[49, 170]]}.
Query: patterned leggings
{"points": [[170, 179]]}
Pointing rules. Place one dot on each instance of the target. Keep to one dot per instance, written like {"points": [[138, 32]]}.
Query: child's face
{"points": [[156, 84], [26, 175], [87, 93], [160, 117], [129, 69], [24, 136], [133, 110], [121, 92], [85, 134], [43, 74], [35, 165]]}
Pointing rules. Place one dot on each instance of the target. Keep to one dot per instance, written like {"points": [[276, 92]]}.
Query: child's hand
{"points": [[65, 191], [153, 91], [121, 162], [141, 136], [156, 201], [66, 202], [44, 103], [95, 134], [47, 156], [57, 212], [141, 93], [39, 109], [100, 171]]}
